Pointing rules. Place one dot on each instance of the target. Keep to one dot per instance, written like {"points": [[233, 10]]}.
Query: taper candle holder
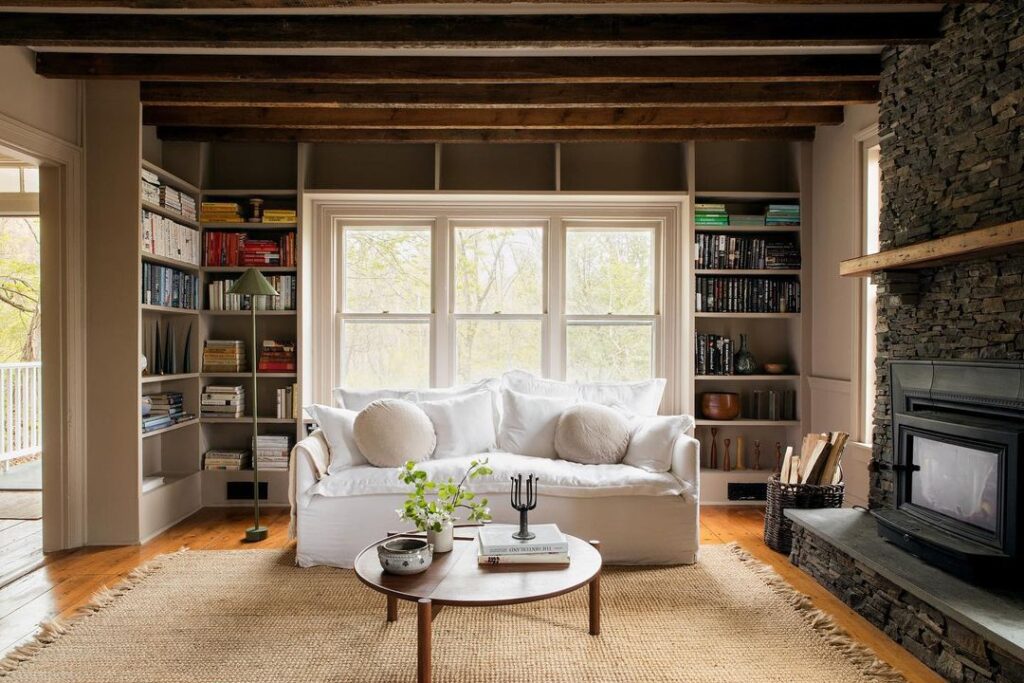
{"points": [[524, 506]]}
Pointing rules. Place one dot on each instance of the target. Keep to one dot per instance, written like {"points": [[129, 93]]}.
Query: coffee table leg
{"points": [[392, 608], [424, 617], [595, 599]]}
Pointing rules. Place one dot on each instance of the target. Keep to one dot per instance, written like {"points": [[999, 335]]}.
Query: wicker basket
{"points": [[778, 531]]}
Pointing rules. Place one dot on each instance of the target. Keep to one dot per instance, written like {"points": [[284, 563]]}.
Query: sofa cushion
{"points": [[336, 424], [592, 434], [357, 399], [557, 478], [641, 398], [391, 431], [528, 383], [464, 424], [528, 423], [652, 438]]}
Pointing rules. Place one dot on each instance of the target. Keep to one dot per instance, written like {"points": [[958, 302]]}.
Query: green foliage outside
{"points": [[19, 289]]}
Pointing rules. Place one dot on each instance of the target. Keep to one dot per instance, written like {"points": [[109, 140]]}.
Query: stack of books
{"points": [[222, 212], [714, 355], [170, 287], [549, 546], [272, 452], [163, 237], [240, 249], [222, 401], [227, 460], [260, 252], [150, 187], [223, 355], [746, 220], [782, 214], [279, 216], [164, 409], [277, 356], [710, 214], [218, 299], [287, 408], [773, 404]]}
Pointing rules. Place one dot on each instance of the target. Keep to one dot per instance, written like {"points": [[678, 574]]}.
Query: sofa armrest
{"points": [[309, 462], [686, 462]]}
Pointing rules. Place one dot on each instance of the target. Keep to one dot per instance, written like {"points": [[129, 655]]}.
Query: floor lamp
{"points": [[253, 284]]}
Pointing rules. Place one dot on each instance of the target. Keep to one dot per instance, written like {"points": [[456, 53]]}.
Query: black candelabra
{"points": [[524, 506]]}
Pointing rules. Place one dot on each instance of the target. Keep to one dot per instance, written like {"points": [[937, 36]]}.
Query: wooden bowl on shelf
{"points": [[720, 405], [775, 368]]}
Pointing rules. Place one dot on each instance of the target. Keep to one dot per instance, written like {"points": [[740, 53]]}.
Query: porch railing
{"points": [[21, 411]]}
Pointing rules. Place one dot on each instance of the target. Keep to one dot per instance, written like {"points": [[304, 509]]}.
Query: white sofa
{"points": [[640, 517]]}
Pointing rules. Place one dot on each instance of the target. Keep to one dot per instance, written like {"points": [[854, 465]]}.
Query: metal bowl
{"points": [[405, 555]]}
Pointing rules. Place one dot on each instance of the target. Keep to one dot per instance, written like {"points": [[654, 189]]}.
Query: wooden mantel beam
{"points": [[542, 95], [522, 135], [344, 31], [932, 253], [461, 70], [574, 118]]}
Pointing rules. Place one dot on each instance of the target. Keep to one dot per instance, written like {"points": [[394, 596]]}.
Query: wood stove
{"points": [[958, 434]]}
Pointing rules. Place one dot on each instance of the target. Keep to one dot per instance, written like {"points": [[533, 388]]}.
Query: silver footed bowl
{"points": [[405, 555]]}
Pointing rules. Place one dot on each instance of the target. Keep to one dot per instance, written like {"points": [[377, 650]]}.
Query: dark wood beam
{"points": [[385, 69], [650, 117], [344, 95], [192, 134], [253, 30], [48, 5]]}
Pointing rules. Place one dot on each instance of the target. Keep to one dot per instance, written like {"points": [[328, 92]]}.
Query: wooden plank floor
{"points": [[68, 579]]}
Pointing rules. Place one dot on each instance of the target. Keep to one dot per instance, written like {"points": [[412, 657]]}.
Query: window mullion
{"points": [[554, 323]]}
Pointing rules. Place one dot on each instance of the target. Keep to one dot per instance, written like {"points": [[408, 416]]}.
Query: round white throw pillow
{"points": [[391, 431], [592, 434]]}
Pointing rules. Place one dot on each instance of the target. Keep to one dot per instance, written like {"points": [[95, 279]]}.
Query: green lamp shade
{"points": [[252, 282]]}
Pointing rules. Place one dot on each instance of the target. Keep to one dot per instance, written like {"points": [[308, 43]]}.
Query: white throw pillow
{"points": [[650, 444], [527, 383], [592, 434], [358, 399], [641, 398], [490, 386], [354, 399], [336, 424], [464, 425], [391, 431], [528, 423]]}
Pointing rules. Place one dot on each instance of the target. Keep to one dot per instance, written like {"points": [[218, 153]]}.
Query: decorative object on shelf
{"points": [[720, 405], [186, 357], [741, 455], [744, 361], [253, 284], [726, 461], [405, 555], [775, 368], [255, 210], [524, 505], [757, 454], [437, 516], [143, 364], [713, 456], [778, 456]]}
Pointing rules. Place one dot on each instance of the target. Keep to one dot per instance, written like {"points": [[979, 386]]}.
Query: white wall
{"points": [[51, 106], [833, 333]]}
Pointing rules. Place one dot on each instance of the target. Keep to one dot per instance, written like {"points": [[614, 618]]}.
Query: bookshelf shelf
{"points": [[739, 271], [153, 308], [245, 227], [157, 379], [242, 269], [247, 420], [167, 213], [247, 313], [780, 316], [170, 179], [746, 378], [169, 479], [165, 261], [744, 196], [248, 375], [276, 192], [747, 423], [172, 428], [776, 229]]}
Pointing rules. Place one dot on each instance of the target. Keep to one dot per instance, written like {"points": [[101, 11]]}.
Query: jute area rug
{"points": [[21, 504], [232, 616]]}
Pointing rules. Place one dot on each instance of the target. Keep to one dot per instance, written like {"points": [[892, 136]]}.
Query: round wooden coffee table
{"points": [[455, 579]]}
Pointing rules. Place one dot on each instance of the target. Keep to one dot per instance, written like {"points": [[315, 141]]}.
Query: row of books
{"points": [[714, 355], [231, 212], [165, 286], [276, 356], [725, 252], [272, 451], [222, 401], [279, 216], [723, 294], [217, 298], [162, 410], [227, 459], [242, 249], [772, 404], [156, 192], [706, 214], [287, 406], [497, 546], [224, 355], [164, 237]]}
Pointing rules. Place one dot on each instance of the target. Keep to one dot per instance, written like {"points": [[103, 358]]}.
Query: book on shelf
{"points": [[162, 410], [714, 355], [496, 540], [731, 252], [772, 404], [218, 299], [174, 200], [279, 216], [276, 356], [222, 248], [222, 401], [224, 355], [710, 214], [782, 214], [169, 287], [163, 236], [746, 220], [286, 407], [153, 481], [227, 459], [221, 212], [272, 452], [732, 294]]}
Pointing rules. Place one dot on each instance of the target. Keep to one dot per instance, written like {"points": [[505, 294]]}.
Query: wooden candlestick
{"points": [[741, 455], [713, 457], [757, 454], [726, 464]]}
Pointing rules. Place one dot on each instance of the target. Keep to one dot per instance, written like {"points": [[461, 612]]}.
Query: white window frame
{"points": [[324, 212], [863, 358]]}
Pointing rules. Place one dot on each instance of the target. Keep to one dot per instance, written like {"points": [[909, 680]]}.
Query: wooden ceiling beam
{"points": [[49, 5], [195, 134], [343, 31], [617, 118], [460, 70], [545, 95]]}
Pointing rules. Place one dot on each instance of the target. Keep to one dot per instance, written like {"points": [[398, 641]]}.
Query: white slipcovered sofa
{"points": [[640, 516]]}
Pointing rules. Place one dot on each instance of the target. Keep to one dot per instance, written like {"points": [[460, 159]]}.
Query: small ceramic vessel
{"points": [[405, 555]]}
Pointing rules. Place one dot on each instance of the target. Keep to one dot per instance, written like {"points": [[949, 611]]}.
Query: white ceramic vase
{"points": [[441, 540]]}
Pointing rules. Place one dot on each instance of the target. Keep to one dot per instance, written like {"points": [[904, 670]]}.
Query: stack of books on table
{"points": [[497, 546], [782, 214], [710, 214], [279, 216], [277, 356], [224, 355], [222, 212], [227, 460], [222, 401], [272, 452]]}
